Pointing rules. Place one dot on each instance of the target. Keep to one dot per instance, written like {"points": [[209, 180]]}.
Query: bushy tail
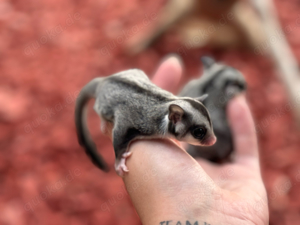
{"points": [[84, 138]]}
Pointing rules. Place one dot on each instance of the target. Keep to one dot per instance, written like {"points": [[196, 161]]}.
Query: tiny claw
{"points": [[126, 155], [121, 165], [124, 168]]}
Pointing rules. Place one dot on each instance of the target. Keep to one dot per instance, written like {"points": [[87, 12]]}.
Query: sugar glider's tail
{"points": [[84, 138]]}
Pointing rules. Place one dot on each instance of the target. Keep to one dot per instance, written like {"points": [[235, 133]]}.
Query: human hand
{"points": [[167, 186]]}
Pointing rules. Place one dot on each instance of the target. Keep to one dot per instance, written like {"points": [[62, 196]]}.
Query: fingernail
{"points": [[174, 58], [241, 98]]}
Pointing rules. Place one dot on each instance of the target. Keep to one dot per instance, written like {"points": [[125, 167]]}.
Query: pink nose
{"points": [[210, 141]]}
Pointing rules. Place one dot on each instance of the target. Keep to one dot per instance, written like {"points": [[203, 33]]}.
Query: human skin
{"points": [[167, 186]]}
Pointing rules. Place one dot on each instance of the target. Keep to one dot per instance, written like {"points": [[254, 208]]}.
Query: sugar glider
{"points": [[139, 109], [221, 83]]}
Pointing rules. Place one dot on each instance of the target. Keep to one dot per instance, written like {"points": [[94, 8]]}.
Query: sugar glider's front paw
{"points": [[224, 86], [231, 82], [120, 165]]}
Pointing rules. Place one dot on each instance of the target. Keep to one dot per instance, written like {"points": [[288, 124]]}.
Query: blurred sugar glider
{"points": [[139, 109], [221, 83]]}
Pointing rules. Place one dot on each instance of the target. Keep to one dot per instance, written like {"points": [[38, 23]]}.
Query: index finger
{"points": [[243, 129], [168, 74]]}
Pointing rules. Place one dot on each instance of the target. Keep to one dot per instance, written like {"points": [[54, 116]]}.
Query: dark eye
{"points": [[199, 132]]}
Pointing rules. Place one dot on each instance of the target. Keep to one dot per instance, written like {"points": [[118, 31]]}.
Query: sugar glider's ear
{"points": [[202, 98], [207, 62], [175, 113]]}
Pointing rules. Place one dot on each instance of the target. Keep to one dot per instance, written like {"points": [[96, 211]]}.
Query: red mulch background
{"points": [[50, 49]]}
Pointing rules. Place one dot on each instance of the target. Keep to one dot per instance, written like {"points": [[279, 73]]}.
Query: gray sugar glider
{"points": [[139, 109], [221, 83]]}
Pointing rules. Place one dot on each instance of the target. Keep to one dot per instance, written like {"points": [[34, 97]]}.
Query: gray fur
{"points": [[139, 109], [221, 83]]}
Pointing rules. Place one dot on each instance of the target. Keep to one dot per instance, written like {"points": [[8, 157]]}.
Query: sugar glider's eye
{"points": [[199, 132]]}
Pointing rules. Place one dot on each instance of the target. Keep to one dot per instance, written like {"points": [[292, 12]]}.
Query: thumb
{"points": [[242, 125], [162, 176]]}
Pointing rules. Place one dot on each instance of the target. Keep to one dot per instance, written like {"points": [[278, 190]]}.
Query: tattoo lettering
{"points": [[188, 223], [170, 222], [165, 222]]}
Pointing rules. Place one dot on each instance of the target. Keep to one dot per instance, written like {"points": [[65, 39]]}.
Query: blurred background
{"points": [[49, 49]]}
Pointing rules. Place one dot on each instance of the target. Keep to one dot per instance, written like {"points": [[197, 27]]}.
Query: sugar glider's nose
{"points": [[209, 140]]}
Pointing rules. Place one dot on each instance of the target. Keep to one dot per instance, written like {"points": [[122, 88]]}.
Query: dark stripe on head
{"points": [[171, 129], [187, 123], [199, 106]]}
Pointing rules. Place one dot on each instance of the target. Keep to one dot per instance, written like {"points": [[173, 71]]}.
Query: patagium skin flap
{"points": [[221, 83], [136, 108]]}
